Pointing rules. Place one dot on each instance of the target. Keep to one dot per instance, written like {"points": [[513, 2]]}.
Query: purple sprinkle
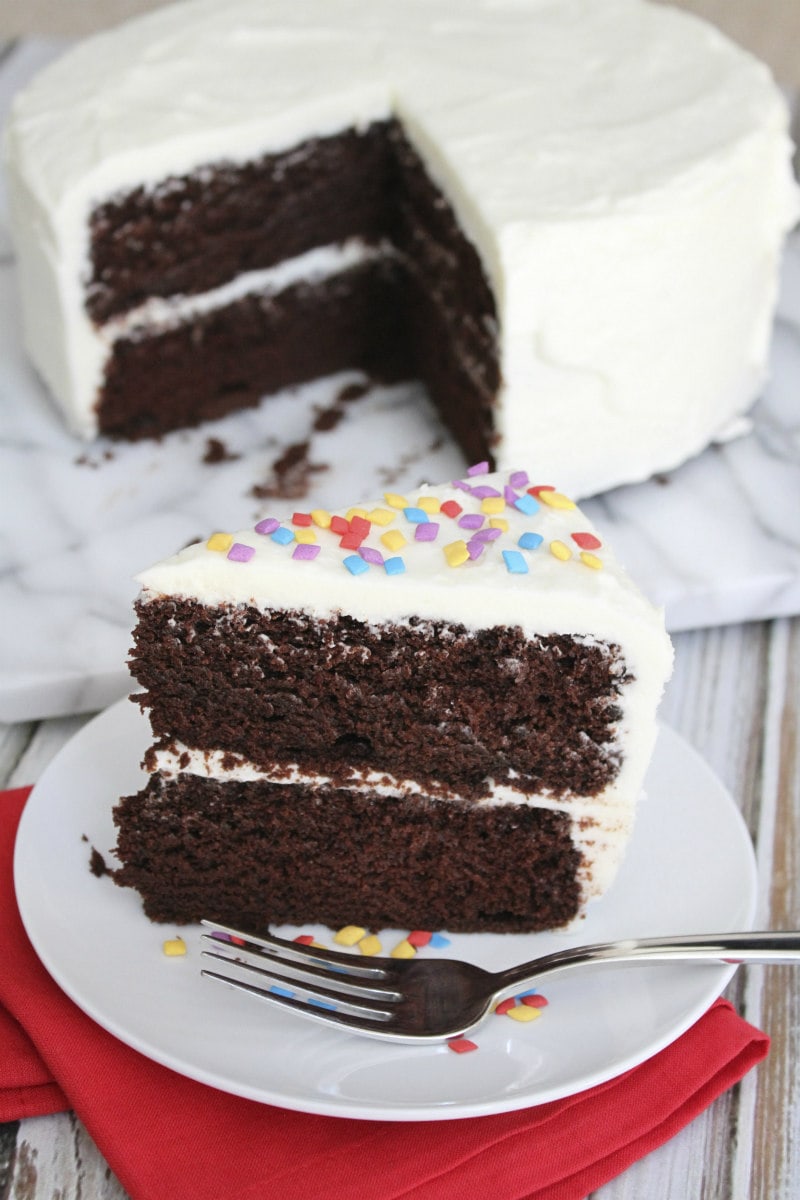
{"points": [[518, 479], [220, 937], [488, 535], [427, 532], [371, 556], [268, 525], [306, 550], [459, 485], [510, 495], [240, 553], [475, 548], [484, 491], [481, 468], [471, 521]]}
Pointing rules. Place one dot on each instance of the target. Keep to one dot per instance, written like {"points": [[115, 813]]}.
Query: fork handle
{"points": [[734, 948]]}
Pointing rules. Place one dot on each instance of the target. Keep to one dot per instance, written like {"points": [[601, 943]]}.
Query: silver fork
{"points": [[432, 1000]]}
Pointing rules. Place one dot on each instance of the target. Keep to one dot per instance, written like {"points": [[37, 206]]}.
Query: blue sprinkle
{"points": [[315, 1003], [530, 992], [526, 504], [417, 515], [394, 566], [439, 941], [280, 991], [355, 564], [515, 562], [282, 536], [530, 541]]}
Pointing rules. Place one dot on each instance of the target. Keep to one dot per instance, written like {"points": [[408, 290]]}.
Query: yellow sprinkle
{"points": [[370, 945], [305, 535], [393, 540], [523, 1012], [174, 947], [429, 504], [356, 512], [382, 516], [499, 523], [349, 935], [456, 553], [403, 949], [591, 560], [321, 518], [395, 501], [221, 542], [556, 500], [493, 504], [560, 551]]}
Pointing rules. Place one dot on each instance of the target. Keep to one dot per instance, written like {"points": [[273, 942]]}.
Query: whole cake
{"points": [[434, 711], [564, 216]]}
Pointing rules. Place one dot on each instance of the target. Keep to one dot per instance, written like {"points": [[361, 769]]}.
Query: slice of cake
{"points": [[431, 711], [564, 218]]}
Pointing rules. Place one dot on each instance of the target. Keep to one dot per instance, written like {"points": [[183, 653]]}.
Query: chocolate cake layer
{"points": [[425, 311], [256, 854], [425, 701]]}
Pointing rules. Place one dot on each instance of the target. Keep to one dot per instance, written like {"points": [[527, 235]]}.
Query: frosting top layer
{"points": [[487, 550], [542, 107]]}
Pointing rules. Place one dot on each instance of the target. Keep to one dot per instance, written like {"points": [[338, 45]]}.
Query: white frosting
{"points": [[594, 601], [622, 169]]}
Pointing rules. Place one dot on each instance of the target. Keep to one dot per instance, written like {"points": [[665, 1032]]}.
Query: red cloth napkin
{"points": [[164, 1135]]}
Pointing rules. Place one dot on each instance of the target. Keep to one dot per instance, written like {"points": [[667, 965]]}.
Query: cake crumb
{"points": [[97, 864], [216, 452]]}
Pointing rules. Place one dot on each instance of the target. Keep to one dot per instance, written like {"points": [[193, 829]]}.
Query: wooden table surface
{"points": [[734, 696]]}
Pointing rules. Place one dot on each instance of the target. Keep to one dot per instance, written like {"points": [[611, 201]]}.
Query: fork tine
{"points": [[271, 946], [342, 985], [366, 1023]]}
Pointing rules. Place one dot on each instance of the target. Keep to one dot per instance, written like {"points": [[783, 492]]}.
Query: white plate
{"points": [[690, 869]]}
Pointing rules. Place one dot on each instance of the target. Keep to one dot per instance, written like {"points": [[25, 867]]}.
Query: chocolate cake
{"points": [[430, 711], [565, 218]]}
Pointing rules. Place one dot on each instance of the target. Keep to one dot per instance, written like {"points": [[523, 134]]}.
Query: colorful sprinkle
{"points": [[556, 499], [488, 535], [381, 516], [499, 523], [395, 501], [502, 1008], [282, 536], [534, 1000], [393, 540], [268, 525], [560, 551], [428, 504], [475, 548], [419, 937], [277, 990], [515, 563], [522, 1013], [306, 551], [174, 947], [348, 935], [321, 518], [220, 542], [314, 1002], [539, 488], [493, 505], [484, 492], [394, 566], [305, 939], [352, 513], [451, 508], [518, 479], [370, 945], [461, 1045], [359, 524], [530, 540], [439, 941], [417, 516], [587, 541], [403, 949], [339, 525], [355, 564], [351, 540], [301, 518], [456, 553], [371, 556], [591, 560], [481, 468], [305, 535], [427, 532], [471, 521], [526, 504], [240, 553]]}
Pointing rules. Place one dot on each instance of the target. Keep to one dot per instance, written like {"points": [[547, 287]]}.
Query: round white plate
{"points": [[690, 869]]}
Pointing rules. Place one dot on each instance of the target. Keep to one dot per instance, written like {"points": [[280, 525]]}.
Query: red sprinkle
{"points": [[305, 939], [505, 1005], [237, 941], [419, 937], [299, 518], [587, 541], [339, 525], [360, 526], [461, 1045], [351, 540], [540, 487], [451, 508], [535, 1001]]}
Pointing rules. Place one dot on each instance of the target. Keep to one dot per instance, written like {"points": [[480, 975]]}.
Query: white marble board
{"points": [[716, 541]]}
